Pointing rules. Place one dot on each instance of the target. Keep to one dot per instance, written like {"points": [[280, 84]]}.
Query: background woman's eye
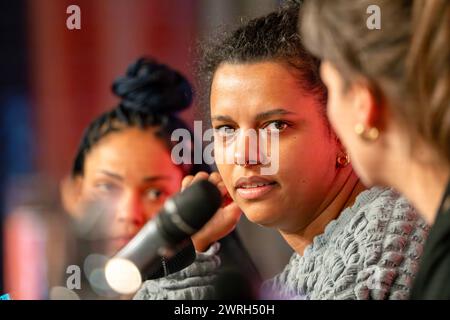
{"points": [[276, 126], [154, 194], [106, 187]]}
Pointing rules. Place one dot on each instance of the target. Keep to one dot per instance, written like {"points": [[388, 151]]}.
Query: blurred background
{"points": [[54, 81]]}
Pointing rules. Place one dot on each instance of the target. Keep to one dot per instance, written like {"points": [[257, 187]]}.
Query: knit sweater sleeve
{"points": [[192, 283], [370, 252]]}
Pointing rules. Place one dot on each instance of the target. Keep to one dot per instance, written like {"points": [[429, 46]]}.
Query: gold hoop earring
{"points": [[370, 134], [342, 160]]}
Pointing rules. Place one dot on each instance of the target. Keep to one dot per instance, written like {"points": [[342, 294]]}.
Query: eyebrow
{"points": [[221, 118], [156, 178], [271, 113], [145, 179], [259, 116], [111, 175]]}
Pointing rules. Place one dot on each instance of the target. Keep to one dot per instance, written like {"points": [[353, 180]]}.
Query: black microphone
{"points": [[165, 236]]}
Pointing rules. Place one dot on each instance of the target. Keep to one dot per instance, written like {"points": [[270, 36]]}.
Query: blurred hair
{"points": [[151, 93], [406, 62]]}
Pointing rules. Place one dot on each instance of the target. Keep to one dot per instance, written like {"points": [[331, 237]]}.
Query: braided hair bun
{"points": [[152, 88], [151, 93]]}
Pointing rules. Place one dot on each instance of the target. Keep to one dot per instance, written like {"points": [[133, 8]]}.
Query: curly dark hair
{"points": [[270, 37], [151, 94]]}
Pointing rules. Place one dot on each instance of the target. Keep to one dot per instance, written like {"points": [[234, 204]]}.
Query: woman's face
{"points": [[346, 108], [267, 95], [131, 171]]}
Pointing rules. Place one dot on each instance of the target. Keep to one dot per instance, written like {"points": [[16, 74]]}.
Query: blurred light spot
{"points": [[123, 275]]}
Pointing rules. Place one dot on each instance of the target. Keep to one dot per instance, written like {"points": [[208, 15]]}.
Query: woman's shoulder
{"points": [[370, 252], [378, 215], [383, 225], [384, 237], [384, 213], [378, 199]]}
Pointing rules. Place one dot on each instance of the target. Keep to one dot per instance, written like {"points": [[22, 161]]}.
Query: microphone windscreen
{"points": [[188, 211], [200, 201]]}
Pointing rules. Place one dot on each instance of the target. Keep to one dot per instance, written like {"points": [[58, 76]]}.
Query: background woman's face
{"points": [[267, 95], [131, 172]]}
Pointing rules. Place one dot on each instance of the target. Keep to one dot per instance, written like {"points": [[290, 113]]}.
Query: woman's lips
{"points": [[252, 188]]}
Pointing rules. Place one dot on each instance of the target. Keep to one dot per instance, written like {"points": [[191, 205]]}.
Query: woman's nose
{"points": [[131, 209], [246, 151]]}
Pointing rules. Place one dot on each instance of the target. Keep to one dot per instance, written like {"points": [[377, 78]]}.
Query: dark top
{"points": [[433, 279]]}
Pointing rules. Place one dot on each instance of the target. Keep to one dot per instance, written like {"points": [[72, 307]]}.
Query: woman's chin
{"points": [[261, 217]]}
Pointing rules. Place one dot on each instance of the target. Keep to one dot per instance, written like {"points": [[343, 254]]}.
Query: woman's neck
{"points": [[424, 185], [341, 195]]}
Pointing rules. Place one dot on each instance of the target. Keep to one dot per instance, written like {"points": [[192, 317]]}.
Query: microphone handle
{"points": [[144, 242]]}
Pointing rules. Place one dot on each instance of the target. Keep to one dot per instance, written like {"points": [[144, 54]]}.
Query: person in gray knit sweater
{"points": [[350, 242], [370, 252]]}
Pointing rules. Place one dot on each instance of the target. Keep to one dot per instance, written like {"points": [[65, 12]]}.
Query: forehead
{"points": [[131, 151], [257, 87]]}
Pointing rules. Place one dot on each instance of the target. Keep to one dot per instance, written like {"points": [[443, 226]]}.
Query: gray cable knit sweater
{"points": [[370, 251]]}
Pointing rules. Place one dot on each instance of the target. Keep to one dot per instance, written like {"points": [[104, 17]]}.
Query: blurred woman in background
{"points": [[124, 159], [123, 170], [389, 101]]}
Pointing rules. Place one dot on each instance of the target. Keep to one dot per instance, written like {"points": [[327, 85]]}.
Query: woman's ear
{"points": [[70, 188], [368, 106]]}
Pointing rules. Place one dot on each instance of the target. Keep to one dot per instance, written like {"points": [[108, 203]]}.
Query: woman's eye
{"points": [[224, 131], [276, 126], [154, 194], [106, 187]]}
